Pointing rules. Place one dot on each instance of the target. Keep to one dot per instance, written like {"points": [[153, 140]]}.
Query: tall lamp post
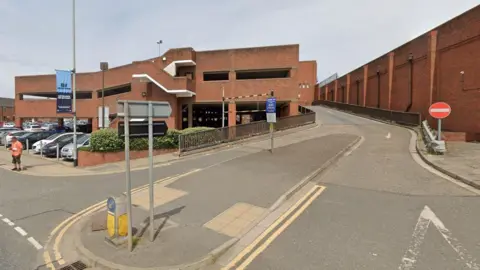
{"points": [[159, 47], [103, 68], [74, 90]]}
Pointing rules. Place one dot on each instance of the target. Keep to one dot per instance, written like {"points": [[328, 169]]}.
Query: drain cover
{"points": [[75, 266]]}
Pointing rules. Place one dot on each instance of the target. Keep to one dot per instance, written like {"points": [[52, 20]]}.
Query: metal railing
{"points": [[404, 118], [202, 139]]}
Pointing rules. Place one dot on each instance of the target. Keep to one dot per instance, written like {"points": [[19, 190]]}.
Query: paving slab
{"points": [[461, 161]]}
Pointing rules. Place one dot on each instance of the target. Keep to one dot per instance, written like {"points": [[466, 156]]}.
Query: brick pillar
{"points": [[293, 108], [365, 84], [336, 90], [391, 68], [431, 56], [326, 92], [1, 113], [348, 88], [190, 113], [232, 114], [18, 122]]}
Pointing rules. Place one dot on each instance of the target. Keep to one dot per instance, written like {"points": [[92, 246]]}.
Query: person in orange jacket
{"points": [[16, 149]]}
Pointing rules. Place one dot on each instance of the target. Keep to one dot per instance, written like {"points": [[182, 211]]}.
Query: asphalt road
{"points": [[380, 210]]}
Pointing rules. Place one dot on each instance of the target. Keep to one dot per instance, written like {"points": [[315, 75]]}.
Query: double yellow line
{"points": [[246, 256], [63, 227]]}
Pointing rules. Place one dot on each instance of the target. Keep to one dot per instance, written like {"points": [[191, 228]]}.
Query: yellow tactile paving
{"points": [[235, 219], [162, 195]]}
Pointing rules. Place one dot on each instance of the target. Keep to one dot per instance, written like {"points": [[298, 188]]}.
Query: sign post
{"points": [[271, 110], [439, 110], [140, 109]]}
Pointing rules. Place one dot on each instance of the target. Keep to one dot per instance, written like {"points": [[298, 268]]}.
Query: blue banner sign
{"points": [[271, 106], [64, 91]]}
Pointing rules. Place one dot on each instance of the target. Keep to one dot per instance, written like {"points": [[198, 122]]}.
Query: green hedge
{"points": [[107, 140]]}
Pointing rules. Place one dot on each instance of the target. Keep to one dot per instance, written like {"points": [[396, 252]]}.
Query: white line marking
{"points": [[388, 135], [34, 243], [6, 220], [426, 217], [440, 110], [1, 215], [20, 231]]}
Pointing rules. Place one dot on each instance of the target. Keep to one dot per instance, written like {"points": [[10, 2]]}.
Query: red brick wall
{"points": [[438, 58]]}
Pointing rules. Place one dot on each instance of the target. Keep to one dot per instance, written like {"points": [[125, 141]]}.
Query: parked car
{"points": [[33, 127], [8, 125], [50, 149], [16, 133], [33, 137], [67, 150], [4, 132], [38, 145], [49, 126]]}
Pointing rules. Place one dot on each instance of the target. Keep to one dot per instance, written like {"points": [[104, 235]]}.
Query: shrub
{"points": [[106, 140]]}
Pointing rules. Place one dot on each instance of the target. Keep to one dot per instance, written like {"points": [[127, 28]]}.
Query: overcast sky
{"points": [[36, 36]]}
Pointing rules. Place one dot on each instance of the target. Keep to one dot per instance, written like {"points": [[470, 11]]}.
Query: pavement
{"points": [[375, 206], [461, 161]]}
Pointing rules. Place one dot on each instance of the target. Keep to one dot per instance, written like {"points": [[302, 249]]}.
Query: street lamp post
{"points": [[103, 68], [74, 90], [159, 47]]}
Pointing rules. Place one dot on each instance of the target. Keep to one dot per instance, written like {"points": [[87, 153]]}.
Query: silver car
{"points": [[67, 150]]}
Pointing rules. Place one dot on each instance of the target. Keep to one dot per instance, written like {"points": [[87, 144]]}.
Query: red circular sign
{"points": [[440, 110]]}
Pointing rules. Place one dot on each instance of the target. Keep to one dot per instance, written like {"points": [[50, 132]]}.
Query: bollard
{"points": [[28, 149], [58, 152]]}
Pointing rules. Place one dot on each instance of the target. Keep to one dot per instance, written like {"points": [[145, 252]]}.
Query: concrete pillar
{"points": [[431, 56], [348, 89], [293, 108], [391, 69], [232, 114], [190, 114], [365, 84]]}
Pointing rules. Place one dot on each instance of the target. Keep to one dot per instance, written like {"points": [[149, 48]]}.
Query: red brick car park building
{"points": [[191, 81], [441, 65], [7, 110]]}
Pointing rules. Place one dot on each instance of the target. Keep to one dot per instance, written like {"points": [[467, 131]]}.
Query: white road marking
{"points": [[8, 221], [34, 243], [440, 110], [388, 135], [426, 217], [21, 231]]}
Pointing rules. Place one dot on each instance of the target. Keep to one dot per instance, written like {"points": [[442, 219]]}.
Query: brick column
{"points": [[326, 92], [365, 84], [348, 88], [336, 90], [232, 114], [293, 108], [190, 113], [431, 56], [391, 68]]}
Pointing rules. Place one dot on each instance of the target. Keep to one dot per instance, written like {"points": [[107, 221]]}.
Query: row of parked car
{"points": [[45, 142]]}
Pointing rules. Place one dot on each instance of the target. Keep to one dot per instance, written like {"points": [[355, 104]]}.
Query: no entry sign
{"points": [[440, 110]]}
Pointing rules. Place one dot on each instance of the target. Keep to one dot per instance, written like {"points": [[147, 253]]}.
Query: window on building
{"points": [[216, 76], [262, 74]]}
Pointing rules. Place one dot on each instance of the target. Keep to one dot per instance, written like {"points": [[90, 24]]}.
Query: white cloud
{"points": [[35, 36]]}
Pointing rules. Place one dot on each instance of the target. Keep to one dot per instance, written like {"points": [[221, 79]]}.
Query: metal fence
{"points": [[197, 140], [404, 118]]}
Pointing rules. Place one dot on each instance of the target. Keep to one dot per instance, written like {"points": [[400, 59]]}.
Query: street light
{"points": [[103, 68], [159, 45], [74, 90]]}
